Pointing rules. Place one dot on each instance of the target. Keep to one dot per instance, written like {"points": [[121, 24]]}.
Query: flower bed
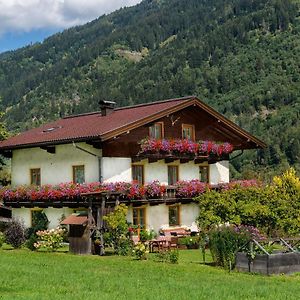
{"points": [[185, 147], [71, 191]]}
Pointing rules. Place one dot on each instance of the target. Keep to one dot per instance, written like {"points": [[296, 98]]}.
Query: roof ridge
{"points": [[156, 102], [131, 106], [81, 115]]}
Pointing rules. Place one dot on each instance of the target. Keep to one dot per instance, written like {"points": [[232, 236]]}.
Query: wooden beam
{"points": [[100, 215], [185, 160], [49, 149], [136, 159], [95, 144], [169, 160], [152, 160]]}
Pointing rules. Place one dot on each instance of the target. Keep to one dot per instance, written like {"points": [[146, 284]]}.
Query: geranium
{"points": [[191, 188], [185, 146], [154, 189], [133, 190]]}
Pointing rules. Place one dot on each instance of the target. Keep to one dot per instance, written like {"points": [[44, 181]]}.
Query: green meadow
{"points": [[38, 275]]}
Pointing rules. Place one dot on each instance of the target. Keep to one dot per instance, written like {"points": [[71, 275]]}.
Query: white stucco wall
{"points": [[55, 168], [189, 213], [53, 215], [219, 172], [156, 171], [116, 169], [156, 216]]}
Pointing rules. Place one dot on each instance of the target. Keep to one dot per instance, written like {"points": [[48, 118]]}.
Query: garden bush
{"points": [[141, 251], [118, 234], [39, 223], [191, 242], [146, 235], [224, 242], [167, 256], [50, 239], [274, 208], [15, 233]]}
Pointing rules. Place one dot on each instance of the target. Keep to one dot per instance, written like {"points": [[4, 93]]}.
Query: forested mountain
{"points": [[240, 56]]}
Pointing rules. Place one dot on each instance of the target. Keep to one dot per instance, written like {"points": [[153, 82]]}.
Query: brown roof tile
{"points": [[88, 126]]}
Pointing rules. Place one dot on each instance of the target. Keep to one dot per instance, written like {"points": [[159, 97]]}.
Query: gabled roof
{"points": [[94, 126]]}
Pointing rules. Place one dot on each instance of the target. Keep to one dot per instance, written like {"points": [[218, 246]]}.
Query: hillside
{"points": [[240, 56]]}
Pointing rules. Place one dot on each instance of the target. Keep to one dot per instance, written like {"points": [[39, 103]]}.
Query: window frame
{"points": [[183, 126], [143, 173], [139, 209], [32, 170], [208, 173], [74, 170], [162, 133], [177, 173], [139, 226], [177, 206]]}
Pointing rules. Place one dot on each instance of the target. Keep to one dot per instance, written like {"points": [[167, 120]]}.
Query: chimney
{"points": [[106, 107]]}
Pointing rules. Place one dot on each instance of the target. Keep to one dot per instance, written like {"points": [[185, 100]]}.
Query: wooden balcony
{"points": [[183, 158]]}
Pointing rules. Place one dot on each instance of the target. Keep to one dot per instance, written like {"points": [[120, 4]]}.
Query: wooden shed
{"points": [[79, 234]]}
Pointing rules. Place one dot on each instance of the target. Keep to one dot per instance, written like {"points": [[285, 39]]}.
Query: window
{"points": [[174, 215], [138, 173], [204, 174], [139, 216], [172, 175], [188, 132], [38, 217], [35, 176], [156, 131], [78, 174]]}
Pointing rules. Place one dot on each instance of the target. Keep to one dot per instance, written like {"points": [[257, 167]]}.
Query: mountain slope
{"points": [[240, 56]]}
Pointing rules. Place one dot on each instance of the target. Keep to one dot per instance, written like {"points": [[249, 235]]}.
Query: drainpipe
{"points": [[95, 155]]}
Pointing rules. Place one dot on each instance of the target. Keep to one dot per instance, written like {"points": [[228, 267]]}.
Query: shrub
{"points": [[141, 251], [15, 233], [174, 256], [146, 235], [274, 209], [50, 239], [224, 242], [190, 242], [2, 239], [118, 233], [40, 222], [167, 256]]}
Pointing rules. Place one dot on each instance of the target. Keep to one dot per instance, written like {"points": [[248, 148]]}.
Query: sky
{"points": [[23, 22]]}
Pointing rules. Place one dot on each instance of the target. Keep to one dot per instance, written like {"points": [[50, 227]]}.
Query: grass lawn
{"points": [[32, 275]]}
